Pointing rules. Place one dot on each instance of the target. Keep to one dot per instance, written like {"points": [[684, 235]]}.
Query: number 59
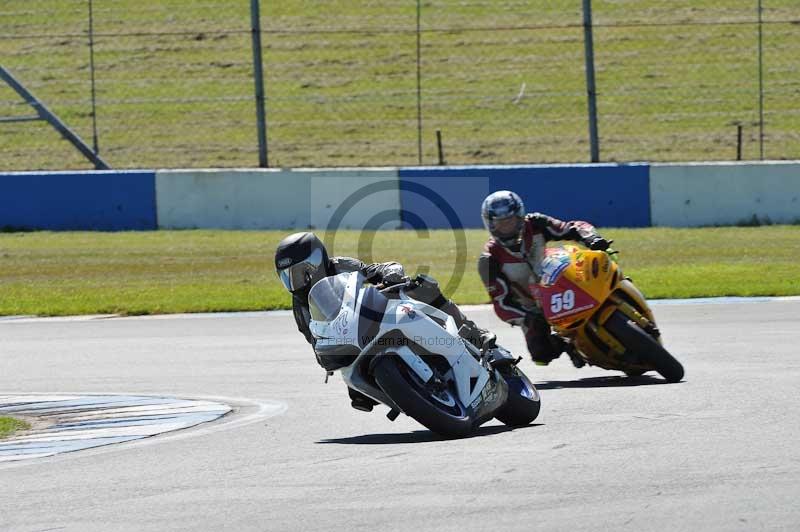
{"points": [[562, 301]]}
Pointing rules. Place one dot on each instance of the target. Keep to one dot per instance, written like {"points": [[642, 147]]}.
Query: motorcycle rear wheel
{"points": [[644, 346], [410, 394]]}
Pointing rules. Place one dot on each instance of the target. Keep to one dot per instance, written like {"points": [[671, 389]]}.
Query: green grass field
{"points": [[503, 81], [43, 273], [10, 425]]}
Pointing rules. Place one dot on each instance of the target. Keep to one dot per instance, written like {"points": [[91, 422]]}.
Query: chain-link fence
{"points": [[171, 84]]}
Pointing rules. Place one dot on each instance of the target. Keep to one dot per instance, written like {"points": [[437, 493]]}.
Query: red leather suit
{"points": [[508, 272]]}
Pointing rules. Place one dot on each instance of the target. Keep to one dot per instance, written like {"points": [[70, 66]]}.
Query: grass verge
{"points": [[10, 425], [53, 274]]}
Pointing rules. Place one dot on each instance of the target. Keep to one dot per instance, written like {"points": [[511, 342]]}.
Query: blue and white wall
{"points": [[608, 195]]}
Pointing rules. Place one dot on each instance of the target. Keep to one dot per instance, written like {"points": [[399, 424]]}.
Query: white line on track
{"points": [[691, 301]]}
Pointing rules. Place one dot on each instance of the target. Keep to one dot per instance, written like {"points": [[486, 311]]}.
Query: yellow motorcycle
{"points": [[602, 316]]}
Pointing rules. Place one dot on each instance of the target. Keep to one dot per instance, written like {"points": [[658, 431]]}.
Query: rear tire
{"points": [[519, 409], [644, 346], [408, 392]]}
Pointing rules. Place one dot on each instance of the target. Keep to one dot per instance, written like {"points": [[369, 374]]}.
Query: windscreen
{"points": [[325, 298]]}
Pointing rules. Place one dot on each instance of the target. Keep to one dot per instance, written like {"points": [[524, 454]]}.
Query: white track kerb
{"points": [[466, 308], [64, 423]]}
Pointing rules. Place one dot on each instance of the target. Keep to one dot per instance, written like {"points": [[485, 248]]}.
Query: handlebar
{"points": [[411, 283]]}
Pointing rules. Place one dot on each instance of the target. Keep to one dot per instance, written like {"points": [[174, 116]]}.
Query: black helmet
{"points": [[301, 260]]}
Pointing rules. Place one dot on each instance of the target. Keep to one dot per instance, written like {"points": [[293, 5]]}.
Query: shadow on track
{"points": [[601, 382], [419, 436]]}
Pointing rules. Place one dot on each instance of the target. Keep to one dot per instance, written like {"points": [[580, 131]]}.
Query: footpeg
{"points": [[577, 361], [392, 414]]}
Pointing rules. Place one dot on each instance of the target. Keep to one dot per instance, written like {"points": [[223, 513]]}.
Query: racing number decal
{"points": [[562, 301]]}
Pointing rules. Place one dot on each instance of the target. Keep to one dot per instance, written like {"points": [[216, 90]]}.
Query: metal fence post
{"points": [[258, 76], [419, 82], [760, 80], [591, 88], [95, 141]]}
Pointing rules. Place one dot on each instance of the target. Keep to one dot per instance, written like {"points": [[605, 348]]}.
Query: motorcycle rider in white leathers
{"points": [[301, 260]]}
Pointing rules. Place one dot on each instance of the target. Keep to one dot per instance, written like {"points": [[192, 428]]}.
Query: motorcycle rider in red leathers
{"points": [[511, 262]]}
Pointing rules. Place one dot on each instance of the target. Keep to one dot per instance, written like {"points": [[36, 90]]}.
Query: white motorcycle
{"points": [[409, 356]]}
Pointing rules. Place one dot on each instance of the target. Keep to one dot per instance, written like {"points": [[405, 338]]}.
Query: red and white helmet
{"points": [[503, 215]]}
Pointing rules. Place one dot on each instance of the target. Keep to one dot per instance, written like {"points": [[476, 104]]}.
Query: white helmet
{"points": [[503, 215]]}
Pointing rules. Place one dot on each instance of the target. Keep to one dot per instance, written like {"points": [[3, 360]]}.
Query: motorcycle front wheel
{"points": [[644, 346], [523, 403], [443, 415]]}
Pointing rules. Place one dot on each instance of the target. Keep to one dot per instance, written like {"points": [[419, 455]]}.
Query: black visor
{"points": [[297, 276]]}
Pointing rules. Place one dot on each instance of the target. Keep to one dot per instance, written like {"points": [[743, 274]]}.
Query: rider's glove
{"points": [[427, 282], [597, 243], [394, 277]]}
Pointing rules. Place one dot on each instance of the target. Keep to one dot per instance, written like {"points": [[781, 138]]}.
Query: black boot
{"points": [[359, 401], [577, 360], [543, 344], [545, 348], [468, 330], [482, 339], [486, 340]]}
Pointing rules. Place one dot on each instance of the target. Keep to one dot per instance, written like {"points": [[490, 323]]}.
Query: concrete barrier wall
{"points": [[274, 199], [606, 195], [354, 199], [103, 201], [689, 195], [231, 199]]}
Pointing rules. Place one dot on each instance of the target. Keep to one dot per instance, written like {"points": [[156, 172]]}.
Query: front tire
{"points": [[644, 346], [633, 373], [403, 386], [523, 403]]}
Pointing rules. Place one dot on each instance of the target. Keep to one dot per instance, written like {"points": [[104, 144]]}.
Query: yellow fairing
{"points": [[591, 273], [596, 274]]}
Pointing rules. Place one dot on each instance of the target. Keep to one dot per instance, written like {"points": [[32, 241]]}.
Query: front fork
{"points": [[627, 299], [638, 312]]}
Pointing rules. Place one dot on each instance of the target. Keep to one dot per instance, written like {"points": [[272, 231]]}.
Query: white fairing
{"points": [[417, 322], [424, 331]]}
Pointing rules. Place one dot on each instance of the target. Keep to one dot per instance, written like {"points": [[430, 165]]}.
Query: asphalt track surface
{"points": [[718, 451]]}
